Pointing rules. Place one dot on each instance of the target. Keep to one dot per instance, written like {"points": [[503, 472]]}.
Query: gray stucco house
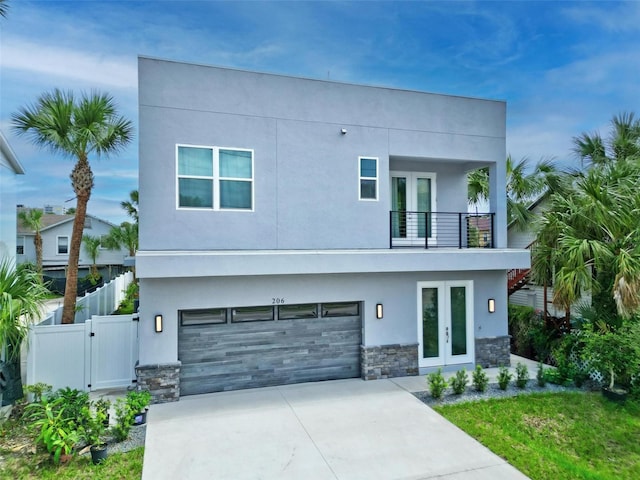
{"points": [[10, 167], [299, 230]]}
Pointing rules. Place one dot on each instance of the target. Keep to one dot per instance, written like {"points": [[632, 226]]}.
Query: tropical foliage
{"points": [[589, 238], [92, 248], [524, 184], [76, 128], [21, 298], [32, 219]]}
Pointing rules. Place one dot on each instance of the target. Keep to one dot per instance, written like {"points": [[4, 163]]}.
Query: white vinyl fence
{"points": [[103, 301], [99, 353]]}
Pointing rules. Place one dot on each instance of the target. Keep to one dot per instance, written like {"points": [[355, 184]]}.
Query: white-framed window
{"points": [[63, 245], [368, 178], [20, 245], [214, 178]]}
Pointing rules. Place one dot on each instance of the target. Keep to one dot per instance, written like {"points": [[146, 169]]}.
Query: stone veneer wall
{"points": [[493, 351], [387, 361], [162, 381]]}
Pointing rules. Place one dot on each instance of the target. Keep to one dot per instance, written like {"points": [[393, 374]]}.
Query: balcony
{"points": [[440, 230]]}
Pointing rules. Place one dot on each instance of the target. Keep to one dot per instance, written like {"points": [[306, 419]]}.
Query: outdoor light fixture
{"points": [[343, 131], [158, 323], [379, 310], [492, 305]]}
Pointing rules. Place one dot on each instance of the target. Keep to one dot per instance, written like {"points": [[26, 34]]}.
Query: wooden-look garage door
{"points": [[221, 350]]}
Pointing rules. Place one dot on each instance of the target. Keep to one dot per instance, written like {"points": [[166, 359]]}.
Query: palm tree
{"points": [[92, 248], [522, 187], [589, 238], [124, 236], [131, 205], [32, 219], [78, 128], [623, 142], [21, 298], [4, 7]]}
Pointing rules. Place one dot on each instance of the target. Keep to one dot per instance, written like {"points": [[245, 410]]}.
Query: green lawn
{"points": [[557, 435]]}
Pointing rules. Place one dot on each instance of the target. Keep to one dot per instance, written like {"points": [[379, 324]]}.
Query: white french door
{"points": [[445, 323], [413, 194]]}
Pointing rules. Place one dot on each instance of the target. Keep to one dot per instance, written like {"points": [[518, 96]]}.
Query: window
{"points": [[209, 316], [215, 178], [63, 245], [368, 177], [251, 314], [340, 309], [292, 312], [20, 246]]}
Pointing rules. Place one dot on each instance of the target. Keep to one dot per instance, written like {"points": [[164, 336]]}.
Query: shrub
{"points": [[38, 390], [540, 376], [530, 337], [437, 384], [138, 400], [124, 420], [522, 375], [459, 382], [480, 379], [504, 377], [56, 431]]}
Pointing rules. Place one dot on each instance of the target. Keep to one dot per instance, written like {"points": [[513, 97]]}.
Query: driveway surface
{"points": [[343, 429]]}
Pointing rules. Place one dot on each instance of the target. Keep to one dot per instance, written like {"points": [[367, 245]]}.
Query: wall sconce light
{"points": [[158, 324], [343, 131], [378, 310], [491, 305]]}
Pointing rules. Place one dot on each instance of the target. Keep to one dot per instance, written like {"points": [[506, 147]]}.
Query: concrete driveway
{"points": [[343, 429]]}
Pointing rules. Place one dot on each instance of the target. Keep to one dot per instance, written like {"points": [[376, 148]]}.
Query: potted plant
{"points": [[615, 352], [93, 432], [138, 401]]}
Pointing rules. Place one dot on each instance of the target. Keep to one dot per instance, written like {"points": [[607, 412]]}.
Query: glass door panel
{"points": [[458, 320], [430, 321], [412, 201], [399, 207], [423, 204]]}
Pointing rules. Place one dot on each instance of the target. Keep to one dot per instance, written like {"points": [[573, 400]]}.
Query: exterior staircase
{"points": [[517, 278]]}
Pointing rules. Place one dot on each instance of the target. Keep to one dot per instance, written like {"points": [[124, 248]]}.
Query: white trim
{"points": [[215, 178], [376, 179]]}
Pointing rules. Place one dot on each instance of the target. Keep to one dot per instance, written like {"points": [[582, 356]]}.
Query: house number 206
{"points": [[277, 301]]}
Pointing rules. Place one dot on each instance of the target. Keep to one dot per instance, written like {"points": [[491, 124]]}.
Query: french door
{"points": [[413, 203], [445, 323]]}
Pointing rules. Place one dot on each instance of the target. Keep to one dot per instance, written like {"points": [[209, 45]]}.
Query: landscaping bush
{"points": [[504, 377], [540, 376], [529, 336], [522, 375], [459, 382], [437, 384], [480, 379]]}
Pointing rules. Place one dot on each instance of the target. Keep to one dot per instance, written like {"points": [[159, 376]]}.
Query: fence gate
{"points": [[100, 353]]}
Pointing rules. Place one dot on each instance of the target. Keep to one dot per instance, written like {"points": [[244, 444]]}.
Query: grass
{"points": [[19, 459], [556, 435]]}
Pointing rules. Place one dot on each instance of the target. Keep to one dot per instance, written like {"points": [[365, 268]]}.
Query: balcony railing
{"points": [[440, 230]]}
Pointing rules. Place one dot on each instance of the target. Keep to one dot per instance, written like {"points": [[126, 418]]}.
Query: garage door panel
{"points": [[254, 354]]}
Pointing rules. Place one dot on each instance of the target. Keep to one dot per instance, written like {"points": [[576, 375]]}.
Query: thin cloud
{"points": [[35, 58]]}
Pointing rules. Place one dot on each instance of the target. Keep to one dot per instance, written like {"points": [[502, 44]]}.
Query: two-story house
{"points": [[56, 232], [9, 168], [295, 230]]}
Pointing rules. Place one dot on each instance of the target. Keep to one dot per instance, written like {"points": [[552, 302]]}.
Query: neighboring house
{"points": [[56, 235], [9, 168], [296, 230], [521, 290]]}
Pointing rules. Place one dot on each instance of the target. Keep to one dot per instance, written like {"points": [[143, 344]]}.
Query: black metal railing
{"points": [[441, 229]]}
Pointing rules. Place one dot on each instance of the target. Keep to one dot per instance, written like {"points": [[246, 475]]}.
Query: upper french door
{"points": [[413, 198], [445, 323]]}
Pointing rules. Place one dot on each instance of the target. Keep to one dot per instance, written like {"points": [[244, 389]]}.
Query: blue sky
{"points": [[563, 67]]}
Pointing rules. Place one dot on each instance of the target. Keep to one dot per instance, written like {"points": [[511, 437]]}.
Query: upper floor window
{"points": [[63, 245], [368, 178], [215, 178], [20, 246]]}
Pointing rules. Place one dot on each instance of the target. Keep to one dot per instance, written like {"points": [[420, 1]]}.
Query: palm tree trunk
{"points": [[37, 241], [71, 286]]}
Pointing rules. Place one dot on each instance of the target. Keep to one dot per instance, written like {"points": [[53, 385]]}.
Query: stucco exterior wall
{"points": [[305, 170], [396, 291]]}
